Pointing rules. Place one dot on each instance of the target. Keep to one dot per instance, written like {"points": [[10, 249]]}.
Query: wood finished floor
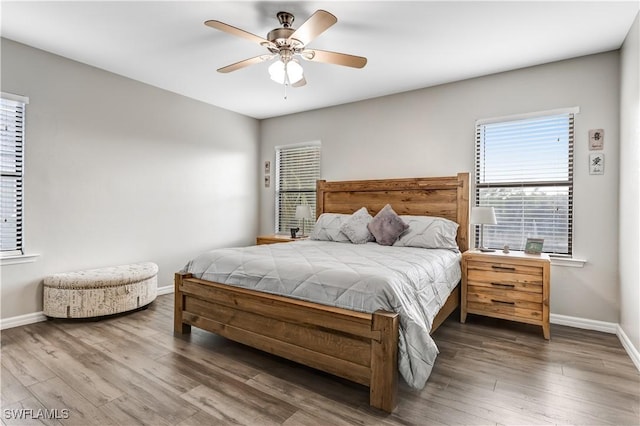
{"points": [[130, 370]]}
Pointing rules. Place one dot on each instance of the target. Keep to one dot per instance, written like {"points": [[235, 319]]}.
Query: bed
{"points": [[359, 346]]}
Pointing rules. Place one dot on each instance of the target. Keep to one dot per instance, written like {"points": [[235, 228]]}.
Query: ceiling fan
{"points": [[287, 44]]}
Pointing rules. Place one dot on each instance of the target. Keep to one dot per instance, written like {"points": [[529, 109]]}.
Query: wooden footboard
{"points": [[356, 346]]}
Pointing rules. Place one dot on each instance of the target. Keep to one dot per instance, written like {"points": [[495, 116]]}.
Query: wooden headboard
{"points": [[432, 196]]}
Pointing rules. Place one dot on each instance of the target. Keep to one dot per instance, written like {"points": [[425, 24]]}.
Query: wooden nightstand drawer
{"points": [[512, 286], [516, 277], [505, 311], [521, 304], [520, 298], [503, 284]]}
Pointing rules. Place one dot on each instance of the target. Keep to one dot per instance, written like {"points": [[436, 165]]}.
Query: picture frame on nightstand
{"points": [[534, 245]]}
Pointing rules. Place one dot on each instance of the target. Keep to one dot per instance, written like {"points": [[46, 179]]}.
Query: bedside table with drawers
{"points": [[276, 238], [512, 286]]}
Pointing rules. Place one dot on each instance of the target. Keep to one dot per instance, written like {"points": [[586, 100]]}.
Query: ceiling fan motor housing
{"points": [[285, 18], [280, 37]]}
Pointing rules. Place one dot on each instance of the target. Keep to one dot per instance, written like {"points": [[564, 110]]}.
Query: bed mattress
{"points": [[414, 282]]}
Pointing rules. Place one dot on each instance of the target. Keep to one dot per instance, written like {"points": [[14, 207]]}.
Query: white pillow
{"points": [[327, 228], [428, 232], [355, 227]]}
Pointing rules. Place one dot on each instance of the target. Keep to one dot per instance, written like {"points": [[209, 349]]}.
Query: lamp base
{"points": [[481, 245]]}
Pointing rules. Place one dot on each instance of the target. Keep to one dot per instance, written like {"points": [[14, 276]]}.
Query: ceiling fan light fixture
{"points": [[292, 69]]}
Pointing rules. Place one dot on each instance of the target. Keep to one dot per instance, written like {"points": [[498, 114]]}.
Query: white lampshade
{"points": [[293, 68], [303, 212], [483, 216]]}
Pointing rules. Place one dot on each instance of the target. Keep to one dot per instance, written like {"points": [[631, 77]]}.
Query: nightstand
{"points": [[276, 238], [512, 286]]}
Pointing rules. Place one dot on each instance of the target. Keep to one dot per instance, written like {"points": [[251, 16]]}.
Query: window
{"points": [[12, 111], [297, 170], [524, 169]]}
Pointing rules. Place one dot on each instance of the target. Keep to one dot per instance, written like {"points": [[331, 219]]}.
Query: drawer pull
{"points": [[503, 302], [504, 285], [503, 268]]}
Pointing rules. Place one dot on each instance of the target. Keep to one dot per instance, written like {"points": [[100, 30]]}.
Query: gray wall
{"points": [[118, 171], [630, 185], [430, 132]]}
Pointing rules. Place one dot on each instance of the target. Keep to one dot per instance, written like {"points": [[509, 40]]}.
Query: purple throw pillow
{"points": [[387, 226]]}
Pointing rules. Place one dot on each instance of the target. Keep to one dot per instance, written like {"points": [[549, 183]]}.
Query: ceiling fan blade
{"points": [[334, 58], [317, 23], [230, 29], [300, 83], [245, 63]]}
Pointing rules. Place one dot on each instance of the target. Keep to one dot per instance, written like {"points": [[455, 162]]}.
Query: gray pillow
{"points": [[387, 226], [429, 232], [356, 227], [327, 228]]}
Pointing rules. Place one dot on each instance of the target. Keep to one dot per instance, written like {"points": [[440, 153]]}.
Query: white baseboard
{"points": [[605, 327], [628, 346], [22, 320], [583, 323], [165, 290]]}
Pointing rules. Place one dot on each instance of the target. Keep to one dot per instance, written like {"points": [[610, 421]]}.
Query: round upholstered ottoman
{"points": [[98, 292]]}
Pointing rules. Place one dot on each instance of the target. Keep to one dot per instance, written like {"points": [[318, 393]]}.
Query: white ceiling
{"points": [[409, 45]]}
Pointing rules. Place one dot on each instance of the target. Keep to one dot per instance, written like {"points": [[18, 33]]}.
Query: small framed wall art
{"points": [[596, 139], [267, 174], [596, 163]]}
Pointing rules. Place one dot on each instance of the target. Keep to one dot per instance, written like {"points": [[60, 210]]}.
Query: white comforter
{"points": [[413, 282]]}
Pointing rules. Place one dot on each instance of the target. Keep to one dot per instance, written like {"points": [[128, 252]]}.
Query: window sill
{"points": [[22, 258], [568, 262]]}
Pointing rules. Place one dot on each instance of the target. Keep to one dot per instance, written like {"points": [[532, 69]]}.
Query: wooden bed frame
{"points": [[358, 346]]}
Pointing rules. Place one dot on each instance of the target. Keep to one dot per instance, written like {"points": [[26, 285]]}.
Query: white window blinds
{"points": [[12, 111], [524, 169], [297, 170]]}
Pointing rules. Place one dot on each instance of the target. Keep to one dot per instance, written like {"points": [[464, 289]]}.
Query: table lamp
{"points": [[303, 213], [483, 216]]}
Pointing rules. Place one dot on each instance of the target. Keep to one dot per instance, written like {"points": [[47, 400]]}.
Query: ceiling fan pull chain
{"points": [[286, 80]]}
